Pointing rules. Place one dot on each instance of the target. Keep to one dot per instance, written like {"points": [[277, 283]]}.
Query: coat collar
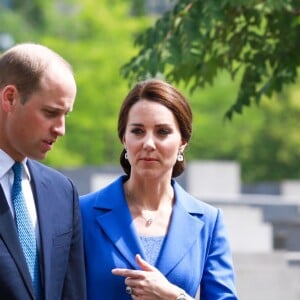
{"points": [[117, 223], [113, 195]]}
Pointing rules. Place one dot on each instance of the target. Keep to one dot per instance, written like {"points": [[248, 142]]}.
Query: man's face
{"points": [[32, 128]]}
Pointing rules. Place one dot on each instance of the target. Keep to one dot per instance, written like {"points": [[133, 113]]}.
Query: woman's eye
{"points": [[137, 131], [163, 131]]}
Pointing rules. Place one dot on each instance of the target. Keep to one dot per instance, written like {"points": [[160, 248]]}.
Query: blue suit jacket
{"points": [[195, 252], [61, 250]]}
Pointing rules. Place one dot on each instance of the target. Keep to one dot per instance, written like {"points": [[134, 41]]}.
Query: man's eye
{"points": [[50, 113]]}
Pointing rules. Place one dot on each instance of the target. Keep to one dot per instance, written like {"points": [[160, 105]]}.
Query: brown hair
{"points": [[24, 65], [161, 92]]}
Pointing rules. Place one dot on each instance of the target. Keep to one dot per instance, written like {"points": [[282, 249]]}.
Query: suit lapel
{"points": [[118, 226], [116, 221], [10, 237], [41, 192]]}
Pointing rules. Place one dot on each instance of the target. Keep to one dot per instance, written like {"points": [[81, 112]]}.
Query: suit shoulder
{"points": [[44, 170]]}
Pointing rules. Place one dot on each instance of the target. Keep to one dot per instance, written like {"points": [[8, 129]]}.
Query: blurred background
{"points": [[247, 165]]}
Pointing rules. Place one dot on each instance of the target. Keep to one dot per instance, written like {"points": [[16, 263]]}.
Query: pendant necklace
{"points": [[148, 220]]}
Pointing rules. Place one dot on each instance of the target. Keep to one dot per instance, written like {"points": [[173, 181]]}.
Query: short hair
{"points": [[159, 91], [24, 64]]}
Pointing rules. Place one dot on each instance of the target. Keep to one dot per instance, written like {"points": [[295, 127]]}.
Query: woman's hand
{"points": [[147, 283]]}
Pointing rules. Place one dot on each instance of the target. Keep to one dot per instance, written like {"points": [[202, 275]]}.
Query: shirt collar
{"points": [[6, 163]]}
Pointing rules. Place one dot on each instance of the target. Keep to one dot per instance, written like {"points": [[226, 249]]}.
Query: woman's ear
{"points": [[183, 145]]}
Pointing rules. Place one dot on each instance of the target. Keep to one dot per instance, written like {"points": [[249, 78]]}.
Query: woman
{"points": [[145, 237]]}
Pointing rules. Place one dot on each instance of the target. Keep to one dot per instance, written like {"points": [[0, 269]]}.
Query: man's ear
{"points": [[9, 95]]}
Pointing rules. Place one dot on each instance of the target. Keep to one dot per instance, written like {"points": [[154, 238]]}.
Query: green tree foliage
{"points": [[99, 41], [33, 11], [265, 139], [257, 40], [97, 38]]}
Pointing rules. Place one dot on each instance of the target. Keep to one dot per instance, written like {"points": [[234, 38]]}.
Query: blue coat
{"points": [[61, 248], [195, 252]]}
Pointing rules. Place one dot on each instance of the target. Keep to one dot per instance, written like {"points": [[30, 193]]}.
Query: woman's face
{"points": [[152, 140]]}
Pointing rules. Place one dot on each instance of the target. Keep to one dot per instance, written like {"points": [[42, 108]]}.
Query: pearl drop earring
{"points": [[180, 156]]}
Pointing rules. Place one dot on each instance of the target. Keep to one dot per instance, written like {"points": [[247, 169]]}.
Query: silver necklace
{"points": [[148, 221]]}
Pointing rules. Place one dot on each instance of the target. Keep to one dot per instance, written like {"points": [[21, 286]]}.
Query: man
{"points": [[37, 91]]}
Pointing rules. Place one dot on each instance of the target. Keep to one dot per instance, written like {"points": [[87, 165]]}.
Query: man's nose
{"points": [[59, 126]]}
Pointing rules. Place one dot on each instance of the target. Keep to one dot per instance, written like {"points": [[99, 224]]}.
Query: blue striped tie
{"points": [[25, 228]]}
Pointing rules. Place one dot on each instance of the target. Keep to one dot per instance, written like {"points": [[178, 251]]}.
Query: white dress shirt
{"points": [[6, 181]]}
